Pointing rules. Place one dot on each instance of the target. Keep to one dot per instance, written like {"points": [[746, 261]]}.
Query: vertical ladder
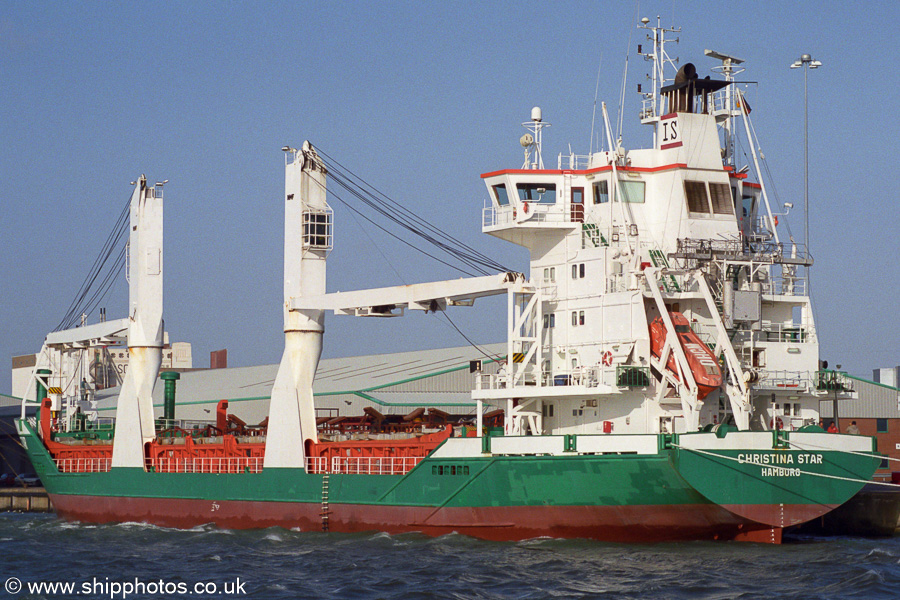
{"points": [[326, 512], [659, 260]]}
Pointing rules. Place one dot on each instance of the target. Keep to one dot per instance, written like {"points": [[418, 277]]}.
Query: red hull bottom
{"points": [[506, 523]]}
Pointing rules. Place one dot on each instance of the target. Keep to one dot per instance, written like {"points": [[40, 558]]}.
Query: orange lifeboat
{"points": [[703, 363]]}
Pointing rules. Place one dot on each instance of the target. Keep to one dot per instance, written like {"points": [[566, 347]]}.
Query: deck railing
{"points": [[83, 465], [206, 464], [362, 465]]}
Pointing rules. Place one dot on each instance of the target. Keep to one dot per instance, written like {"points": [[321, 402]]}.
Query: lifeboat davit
{"points": [[702, 361]]}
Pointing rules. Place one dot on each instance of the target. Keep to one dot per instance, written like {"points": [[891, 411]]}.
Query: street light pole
{"points": [[808, 63]]}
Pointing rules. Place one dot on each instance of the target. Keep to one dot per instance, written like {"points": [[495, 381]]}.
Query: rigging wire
{"points": [[619, 124], [406, 219], [594, 113], [103, 269], [497, 358], [336, 196], [473, 261]]}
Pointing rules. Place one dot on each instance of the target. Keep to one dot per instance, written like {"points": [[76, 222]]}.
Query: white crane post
{"points": [[134, 413], [307, 239]]}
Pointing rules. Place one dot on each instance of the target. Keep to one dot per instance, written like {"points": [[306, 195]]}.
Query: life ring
{"points": [[607, 359], [514, 213], [524, 208], [779, 424]]}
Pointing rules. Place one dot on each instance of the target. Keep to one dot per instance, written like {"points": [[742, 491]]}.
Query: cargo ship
{"points": [[661, 379]]}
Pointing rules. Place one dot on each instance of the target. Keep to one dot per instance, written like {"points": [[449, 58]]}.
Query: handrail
{"points": [[83, 465], [206, 464], [362, 465]]}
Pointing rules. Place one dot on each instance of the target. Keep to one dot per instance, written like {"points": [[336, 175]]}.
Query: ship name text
{"points": [[779, 458]]}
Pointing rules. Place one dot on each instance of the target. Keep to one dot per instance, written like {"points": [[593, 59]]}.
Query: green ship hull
{"points": [[676, 493]]}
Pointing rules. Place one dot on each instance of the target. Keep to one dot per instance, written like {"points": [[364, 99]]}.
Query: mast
{"points": [[729, 70], [653, 102], [307, 240], [134, 414]]}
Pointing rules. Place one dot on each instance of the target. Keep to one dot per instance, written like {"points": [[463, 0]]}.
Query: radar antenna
{"points": [[728, 69]]}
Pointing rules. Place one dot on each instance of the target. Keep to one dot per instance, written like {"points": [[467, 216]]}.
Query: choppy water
{"points": [[276, 564]]}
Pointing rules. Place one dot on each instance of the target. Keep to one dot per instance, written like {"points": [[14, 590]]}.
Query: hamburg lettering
{"points": [[779, 472]]}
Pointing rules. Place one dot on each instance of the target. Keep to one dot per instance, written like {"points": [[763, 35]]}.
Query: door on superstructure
{"points": [[665, 425], [577, 205], [549, 418]]}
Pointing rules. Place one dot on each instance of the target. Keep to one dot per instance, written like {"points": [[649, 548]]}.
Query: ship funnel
{"points": [[686, 73]]}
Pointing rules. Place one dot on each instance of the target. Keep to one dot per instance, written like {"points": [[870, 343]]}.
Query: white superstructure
{"points": [[673, 234]]}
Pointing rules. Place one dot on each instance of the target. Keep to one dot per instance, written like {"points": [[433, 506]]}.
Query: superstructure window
{"points": [[881, 425], [500, 194], [632, 191], [601, 192], [545, 193], [722, 202], [697, 200]]}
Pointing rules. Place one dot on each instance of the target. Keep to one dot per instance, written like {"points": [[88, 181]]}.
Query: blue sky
{"points": [[419, 99]]}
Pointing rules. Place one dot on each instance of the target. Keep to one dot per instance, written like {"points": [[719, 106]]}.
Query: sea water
{"points": [[140, 561]]}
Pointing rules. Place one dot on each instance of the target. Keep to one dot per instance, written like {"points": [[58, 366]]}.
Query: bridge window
{"points": [[722, 202], [601, 192], [632, 191], [545, 193], [500, 194], [697, 199]]}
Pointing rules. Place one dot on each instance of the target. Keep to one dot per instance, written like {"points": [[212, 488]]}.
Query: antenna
{"points": [[594, 114], [728, 70], [532, 140], [652, 104], [621, 114]]}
